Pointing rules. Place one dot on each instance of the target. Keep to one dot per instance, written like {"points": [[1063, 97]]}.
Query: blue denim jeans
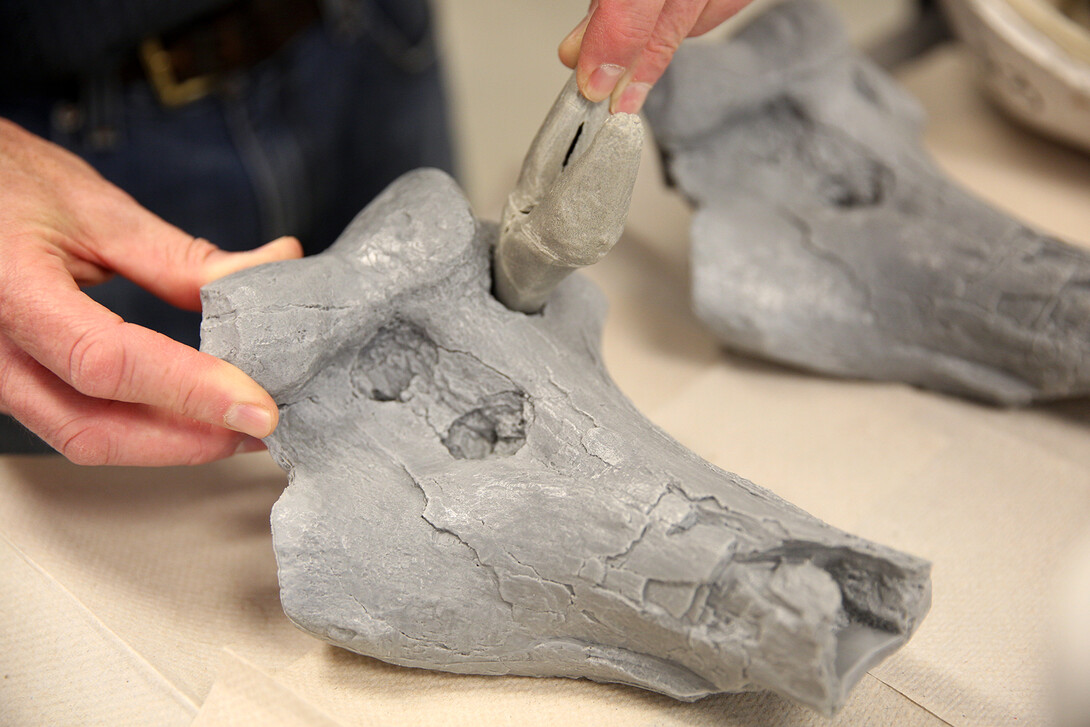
{"points": [[294, 146]]}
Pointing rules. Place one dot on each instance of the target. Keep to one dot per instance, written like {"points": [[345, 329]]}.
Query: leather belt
{"points": [[187, 63]]}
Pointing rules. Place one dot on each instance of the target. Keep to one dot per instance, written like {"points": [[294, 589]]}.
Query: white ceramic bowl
{"points": [[1035, 58]]}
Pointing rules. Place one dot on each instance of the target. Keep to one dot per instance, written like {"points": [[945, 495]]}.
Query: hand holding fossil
{"points": [[98, 389]]}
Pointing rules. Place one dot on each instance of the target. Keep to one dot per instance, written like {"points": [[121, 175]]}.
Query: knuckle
{"points": [[7, 396], [188, 400], [84, 442], [97, 365], [7, 365], [626, 38], [14, 286], [197, 251], [626, 23], [661, 48], [211, 446]]}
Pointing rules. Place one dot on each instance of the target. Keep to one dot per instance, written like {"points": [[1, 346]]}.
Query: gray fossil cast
{"points": [[470, 492], [826, 238]]}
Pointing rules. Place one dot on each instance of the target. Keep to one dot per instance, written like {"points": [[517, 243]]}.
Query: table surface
{"points": [[133, 596]]}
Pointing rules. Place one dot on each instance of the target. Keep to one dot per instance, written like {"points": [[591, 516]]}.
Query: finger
{"points": [[101, 356], [569, 47], [680, 19], [174, 265], [615, 36], [674, 24], [715, 14], [105, 230], [96, 432]]}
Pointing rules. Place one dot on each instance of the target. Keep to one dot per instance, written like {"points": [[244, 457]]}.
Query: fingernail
{"points": [[602, 82], [250, 444], [632, 97], [257, 421]]}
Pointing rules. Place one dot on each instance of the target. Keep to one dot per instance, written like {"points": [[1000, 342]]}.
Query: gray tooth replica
{"points": [[544, 236], [826, 238], [469, 491]]}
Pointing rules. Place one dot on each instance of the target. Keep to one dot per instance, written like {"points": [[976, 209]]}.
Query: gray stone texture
{"points": [[469, 491], [826, 238]]}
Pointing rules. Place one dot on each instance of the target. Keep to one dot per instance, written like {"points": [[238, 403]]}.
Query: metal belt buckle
{"points": [[160, 70]]}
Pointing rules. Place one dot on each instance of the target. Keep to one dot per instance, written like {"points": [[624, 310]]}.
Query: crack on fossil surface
{"points": [[439, 528]]}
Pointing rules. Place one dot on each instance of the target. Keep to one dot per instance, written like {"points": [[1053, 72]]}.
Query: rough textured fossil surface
{"points": [[825, 237], [570, 204], [470, 492]]}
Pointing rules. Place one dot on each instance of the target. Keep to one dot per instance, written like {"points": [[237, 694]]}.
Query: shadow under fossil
{"points": [[750, 709]]}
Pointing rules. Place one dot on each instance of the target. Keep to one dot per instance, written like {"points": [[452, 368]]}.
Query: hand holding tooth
{"points": [[570, 204]]}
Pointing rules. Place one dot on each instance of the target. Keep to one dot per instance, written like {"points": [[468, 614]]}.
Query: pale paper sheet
{"points": [[150, 597]]}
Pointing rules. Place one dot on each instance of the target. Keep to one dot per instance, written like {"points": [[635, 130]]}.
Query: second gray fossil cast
{"points": [[825, 237]]}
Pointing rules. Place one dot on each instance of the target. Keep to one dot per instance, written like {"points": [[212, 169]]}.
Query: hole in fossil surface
{"points": [[497, 426], [863, 184], [394, 356], [474, 410]]}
